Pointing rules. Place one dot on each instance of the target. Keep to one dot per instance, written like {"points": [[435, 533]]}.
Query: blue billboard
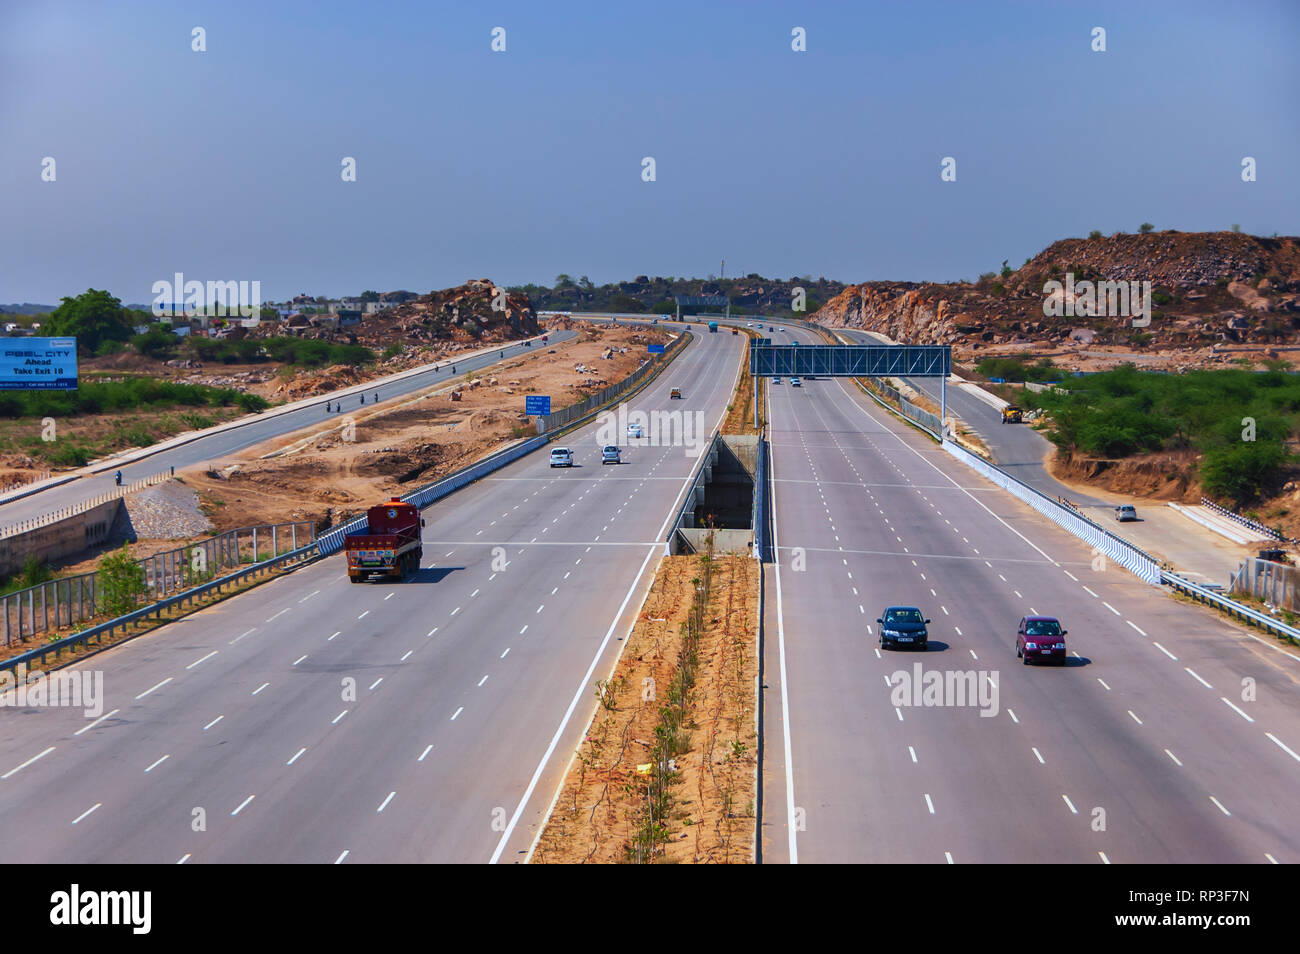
{"points": [[537, 405], [655, 349], [38, 364]]}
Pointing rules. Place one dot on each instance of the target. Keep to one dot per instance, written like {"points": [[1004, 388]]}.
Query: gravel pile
{"points": [[166, 512]]}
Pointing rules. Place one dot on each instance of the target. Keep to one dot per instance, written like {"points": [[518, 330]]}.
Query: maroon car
{"points": [[1040, 639]]}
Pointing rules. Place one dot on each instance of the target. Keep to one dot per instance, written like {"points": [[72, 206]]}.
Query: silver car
{"points": [[561, 457], [610, 455]]}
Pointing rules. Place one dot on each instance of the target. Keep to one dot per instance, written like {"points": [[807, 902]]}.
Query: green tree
{"points": [[1094, 234], [563, 281], [370, 296], [93, 317], [121, 581], [1146, 227]]}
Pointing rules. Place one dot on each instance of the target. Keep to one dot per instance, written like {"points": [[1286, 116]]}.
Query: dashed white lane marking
{"points": [[928, 803], [390, 596], [1102, 856], [481, 681], [279, 614], [385, 802], [27, 763], [455, 611], [1091, 593], [308, 596], [241, 806], [524, 630], [339, 716], [1111, 608], [948, 857], [1134, 625], [1197, 678], [1282, 745], [152, 688], [427, 750], [1071, 575], [158, 763], [1013, 717], [184, 858], [900, 713], [1271, 859], [260, 688], [1165, 651], [86, 812], [1235, 709], [1103, 683], [297, 755], [339, 859], [364, 615], [1135, 718], [375, 683], [1069, 804], [456, 713], [1174, 757], [407, 656], [1218, 804], [912, 752], [331, 638], [300, 659], [1038, 755], [213, 722], [201, 659], [87, 728], [432, 631]]}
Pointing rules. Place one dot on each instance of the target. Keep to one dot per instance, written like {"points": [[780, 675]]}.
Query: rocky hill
{"points": [[464, 314], [1208, 290]]}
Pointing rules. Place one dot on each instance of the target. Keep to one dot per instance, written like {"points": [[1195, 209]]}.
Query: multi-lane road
{"points": [[1169, 737], [310, 720]]}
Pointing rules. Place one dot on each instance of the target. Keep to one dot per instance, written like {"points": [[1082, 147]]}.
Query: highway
{"points": [[1169, 737], [228, 440], [316, 721], [1021, 451]]}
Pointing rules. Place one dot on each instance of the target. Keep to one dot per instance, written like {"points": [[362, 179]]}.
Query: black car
{"points": [[902, 625]]}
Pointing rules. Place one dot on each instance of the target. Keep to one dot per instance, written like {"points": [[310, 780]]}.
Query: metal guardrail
{"points": [[1204, 595], [78, 597], [1244, 521], [759, 506], [98, 632]]}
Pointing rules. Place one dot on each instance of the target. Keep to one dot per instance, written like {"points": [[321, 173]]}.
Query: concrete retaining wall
{"points": [[63, 538]]}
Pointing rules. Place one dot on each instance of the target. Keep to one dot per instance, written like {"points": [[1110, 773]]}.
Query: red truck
{"points": [[390, 544]]}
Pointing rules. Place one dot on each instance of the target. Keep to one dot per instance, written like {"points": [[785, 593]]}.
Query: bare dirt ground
{"points": [[712, 796], [348, 462]]}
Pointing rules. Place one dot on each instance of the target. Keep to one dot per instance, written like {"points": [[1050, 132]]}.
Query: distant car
{"points": [[610, 455], [1040, 639], [770, 328], [675, 393], [1125, 512], [634, 430], [776, 380], [794, 382], [561, 457], [903, 625]]}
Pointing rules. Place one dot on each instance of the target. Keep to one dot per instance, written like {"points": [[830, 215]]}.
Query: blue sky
{"points": [[225, 165]]}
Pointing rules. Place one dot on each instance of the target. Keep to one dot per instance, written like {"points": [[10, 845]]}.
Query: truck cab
{"points": [[389, 545]]}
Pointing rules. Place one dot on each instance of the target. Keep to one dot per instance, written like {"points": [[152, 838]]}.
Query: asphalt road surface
{"points": [[236, 439], [312, 720], [1169, 736]]}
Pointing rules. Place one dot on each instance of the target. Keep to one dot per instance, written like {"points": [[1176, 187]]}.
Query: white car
{"points": [[561, 457], [634, 430], [794, 382]]}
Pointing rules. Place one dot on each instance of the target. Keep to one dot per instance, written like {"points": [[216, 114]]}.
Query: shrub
{"points": [[121, 581]]}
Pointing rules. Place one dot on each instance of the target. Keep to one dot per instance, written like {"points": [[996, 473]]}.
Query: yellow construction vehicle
{"points": [[1012, 414]]}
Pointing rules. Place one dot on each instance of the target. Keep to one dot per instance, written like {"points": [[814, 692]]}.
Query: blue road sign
{"points": [[537, 405], [42, 364], [656, 349]]}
